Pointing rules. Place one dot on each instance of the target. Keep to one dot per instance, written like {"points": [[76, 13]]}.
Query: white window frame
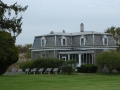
{"points": [[62, 43], [43, 40], [103, 40], [82, 37]]}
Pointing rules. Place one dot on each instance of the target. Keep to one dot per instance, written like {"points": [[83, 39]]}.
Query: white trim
{"points": [[93, 39], [84, 39], [63, 38], [44, 41], [103, 40], [55, 40]]}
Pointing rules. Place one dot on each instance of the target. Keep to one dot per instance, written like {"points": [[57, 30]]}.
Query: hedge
{"points": [[41, 63], [87, 68]]}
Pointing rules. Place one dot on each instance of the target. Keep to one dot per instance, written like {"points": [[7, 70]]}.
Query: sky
{"points": [[44, 16]]}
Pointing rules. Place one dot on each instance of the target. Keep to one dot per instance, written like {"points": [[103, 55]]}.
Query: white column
{"points": [[68, 56], [92, 59], [79, 60], [59, 56]]}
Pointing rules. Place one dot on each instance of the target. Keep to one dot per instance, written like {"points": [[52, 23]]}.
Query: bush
{"points": [[87, 68], [69, 66], [42, 63], [109, 59]]}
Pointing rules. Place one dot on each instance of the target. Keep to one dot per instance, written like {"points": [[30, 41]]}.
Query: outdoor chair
{"points": [[33, 70], [41, 70], [20, 71], [27, 70], [55, 70], [14, 70], [49, 70]]}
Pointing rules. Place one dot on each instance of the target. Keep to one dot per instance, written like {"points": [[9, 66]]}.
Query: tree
{"points": [[8, 51], [116, 34], [108, 59], [10, 28], [12, 25], [25, 49]]}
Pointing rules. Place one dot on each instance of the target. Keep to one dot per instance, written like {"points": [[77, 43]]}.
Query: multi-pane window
{"points": [[64, 41], [43, 41], [82, 40], [105, 40]]}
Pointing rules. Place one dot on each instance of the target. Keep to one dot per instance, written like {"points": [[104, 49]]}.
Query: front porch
{"points": [[82, 57]]}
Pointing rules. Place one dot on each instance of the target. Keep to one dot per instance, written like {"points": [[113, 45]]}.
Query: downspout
{"points": [[55, 46]]}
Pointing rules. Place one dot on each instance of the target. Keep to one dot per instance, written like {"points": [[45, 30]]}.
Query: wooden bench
{"points": [[41, 70], [55, 70], [49, 70], [33, 70], [27, 70]]}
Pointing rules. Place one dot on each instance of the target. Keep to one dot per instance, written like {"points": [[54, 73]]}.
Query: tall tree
{"points": [[11, 24], [115, 31], [116, 34]]}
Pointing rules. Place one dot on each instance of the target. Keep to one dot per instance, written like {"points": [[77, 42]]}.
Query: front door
{"points": [[64, 58]]}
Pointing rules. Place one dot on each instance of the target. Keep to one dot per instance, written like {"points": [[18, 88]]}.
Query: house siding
{"points": [[37, 42], [76, 41], [89, 40], [50, 41]]}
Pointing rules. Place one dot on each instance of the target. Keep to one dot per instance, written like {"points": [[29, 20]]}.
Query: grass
{"points": [[60, 82]]}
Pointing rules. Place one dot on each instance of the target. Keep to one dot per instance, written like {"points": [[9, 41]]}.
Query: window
{"points": [[82, 40], [105, 40], [43, 41], [63, 41]]}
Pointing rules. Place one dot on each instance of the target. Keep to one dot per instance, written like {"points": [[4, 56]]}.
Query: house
{"points": [[82, 46]]}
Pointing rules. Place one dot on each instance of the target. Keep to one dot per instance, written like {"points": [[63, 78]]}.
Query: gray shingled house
{"points": [[82, 46]]}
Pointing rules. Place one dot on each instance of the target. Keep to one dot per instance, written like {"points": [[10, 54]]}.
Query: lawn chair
{"points": [[49, 70], [14, 70], [33, 70], [20, 71], [27, 70], [41, 70], [55, 70]]}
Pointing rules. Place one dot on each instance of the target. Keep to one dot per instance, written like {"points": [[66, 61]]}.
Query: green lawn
{"points": [[60, 82]]}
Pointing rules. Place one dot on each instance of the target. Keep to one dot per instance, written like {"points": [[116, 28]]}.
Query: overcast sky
{"points": [[43, 16]]}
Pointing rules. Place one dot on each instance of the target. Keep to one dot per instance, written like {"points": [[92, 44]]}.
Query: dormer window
{"points": [[64, 41], [82, 40], [105, 40], [43, 41]]}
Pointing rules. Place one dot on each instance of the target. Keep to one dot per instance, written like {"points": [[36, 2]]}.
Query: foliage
{"points": [[87, 68], [69, 66], [116, 34], [108, 59], [25, 49], [42, 63], [8, 51], [11, 24]]}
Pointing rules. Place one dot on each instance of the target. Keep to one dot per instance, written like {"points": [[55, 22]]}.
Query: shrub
{"points": [[109, 59], [87, 68], [69, 66], [42, 63]]}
